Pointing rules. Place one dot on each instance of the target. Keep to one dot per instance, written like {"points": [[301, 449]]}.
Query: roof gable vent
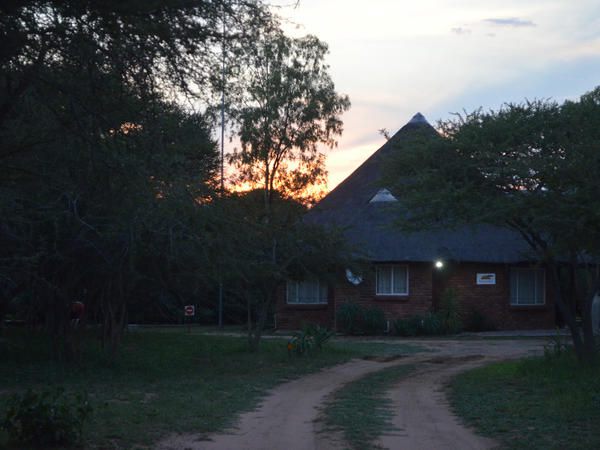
{"points": [[383, 195]]}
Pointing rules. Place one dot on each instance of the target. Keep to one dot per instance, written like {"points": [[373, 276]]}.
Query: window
{"points": [[392, 280], [307, 292], [527, 287]]}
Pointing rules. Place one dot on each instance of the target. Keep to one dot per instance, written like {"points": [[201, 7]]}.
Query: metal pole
{"points": [[222, 154]]}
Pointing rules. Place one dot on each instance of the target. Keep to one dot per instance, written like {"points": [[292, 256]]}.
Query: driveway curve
{"points": [[287, 418]]}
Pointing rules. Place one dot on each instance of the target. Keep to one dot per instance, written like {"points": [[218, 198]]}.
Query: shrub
{"points": [[373, 321], [349, 317], [311, 337], [410, 326], [431, 325], [476, 321], [46, 418], [556, 346], [354, 319], [449, 314]]}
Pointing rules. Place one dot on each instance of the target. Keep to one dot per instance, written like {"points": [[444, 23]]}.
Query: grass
{"points": [[164, 382], [542, 403], [361, 409]]}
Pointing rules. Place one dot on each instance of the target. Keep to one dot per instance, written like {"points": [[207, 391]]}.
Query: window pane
{"points": [[323, 293], [384, 280], [539, 286], [305, 292], [400, 280], [514, 287], [308, 292], [292, 289], [526, 287]]}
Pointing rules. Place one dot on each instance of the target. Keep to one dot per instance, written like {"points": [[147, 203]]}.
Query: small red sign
{"points": [[189, 310]]}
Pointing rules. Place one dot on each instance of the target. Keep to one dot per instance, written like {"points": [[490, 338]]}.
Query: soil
{"points": [[288, 417]]}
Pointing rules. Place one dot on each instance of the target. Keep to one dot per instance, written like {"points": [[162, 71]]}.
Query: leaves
{"points": [[290, 108]]}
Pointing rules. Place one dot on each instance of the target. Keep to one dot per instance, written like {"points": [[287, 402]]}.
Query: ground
{"points": [[289, 417]]}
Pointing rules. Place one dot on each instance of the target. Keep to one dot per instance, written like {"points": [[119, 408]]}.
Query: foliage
{"points": [[103, 173], [290, 108], [272, 249], [311, 337], [445, 321], [410, 326], [285, 108], [477, 321], [355, 319], [532, 403], [448, 313], [348, 318], [432, 324], [362, 410], [429, 324], [556, 347], [531, 167], [373, 321], [46, 418]]}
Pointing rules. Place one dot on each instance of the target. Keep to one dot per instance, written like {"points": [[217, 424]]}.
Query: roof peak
{"points": [[418, 118]]}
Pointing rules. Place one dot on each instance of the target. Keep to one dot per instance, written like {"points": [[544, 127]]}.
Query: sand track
{"points": [[287, 418]]}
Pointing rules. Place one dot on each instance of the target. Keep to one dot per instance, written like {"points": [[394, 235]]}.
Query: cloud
{"points": [[460, 30], [514, 22]]}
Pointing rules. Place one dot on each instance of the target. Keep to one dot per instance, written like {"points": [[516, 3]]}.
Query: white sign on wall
{"points": [[486, 278]]}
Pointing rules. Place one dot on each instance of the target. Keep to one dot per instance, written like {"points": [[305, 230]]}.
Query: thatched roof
{"points": [[364, 209]]}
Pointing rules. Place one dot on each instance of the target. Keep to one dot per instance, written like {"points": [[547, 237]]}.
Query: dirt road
{"points": [[287, 418]]}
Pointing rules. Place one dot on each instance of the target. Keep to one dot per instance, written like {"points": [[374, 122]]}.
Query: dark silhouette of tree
{"points": [[533, 167]]}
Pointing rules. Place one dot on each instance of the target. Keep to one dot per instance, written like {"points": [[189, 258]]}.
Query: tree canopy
{"points": [[108, 171], [533, 167], [289, 108], [104, 168]]}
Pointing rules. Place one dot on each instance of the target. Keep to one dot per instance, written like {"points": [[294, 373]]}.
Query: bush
{"points": [[449, 313], [427, 325], [311, 337], [410, 326], [46, 418], [373, 321], [431, 325], [349, 317], [354, 319], [476, 321]]}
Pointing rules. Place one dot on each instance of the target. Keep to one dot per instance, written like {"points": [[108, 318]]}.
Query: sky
{"points": [[395, 58]]}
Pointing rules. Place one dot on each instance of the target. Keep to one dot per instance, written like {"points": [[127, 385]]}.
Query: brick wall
{"points": [[292, 317], [418, 300], [493, 301]]}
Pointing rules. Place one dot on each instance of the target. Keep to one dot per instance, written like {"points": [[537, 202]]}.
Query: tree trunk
{"points": [[566, 311], [261, 320], [586, 315]]}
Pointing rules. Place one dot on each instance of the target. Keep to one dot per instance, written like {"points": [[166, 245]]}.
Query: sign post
{"points": [[189, 311]]}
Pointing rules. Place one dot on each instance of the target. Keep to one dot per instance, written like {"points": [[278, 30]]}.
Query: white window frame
{"points": [[320, 285], [392, 293], [535, 270]]}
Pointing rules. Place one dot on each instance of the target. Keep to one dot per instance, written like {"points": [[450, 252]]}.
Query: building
{"points": [[490, 268]]}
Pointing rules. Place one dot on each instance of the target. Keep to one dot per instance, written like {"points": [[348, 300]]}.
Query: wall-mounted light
{"points": [[439, 264]]}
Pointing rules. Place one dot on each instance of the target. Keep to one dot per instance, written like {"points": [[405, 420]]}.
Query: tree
{"points": [[264, 255], [289, 108], [533, 167], [102, 171]]}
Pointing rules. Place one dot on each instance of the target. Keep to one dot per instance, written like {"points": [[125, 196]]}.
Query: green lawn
{"points": [[532, 404], [361, 411], [164, 382]]}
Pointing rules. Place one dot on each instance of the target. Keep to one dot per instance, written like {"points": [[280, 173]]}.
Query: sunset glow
{"points": [[397, 58]]}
